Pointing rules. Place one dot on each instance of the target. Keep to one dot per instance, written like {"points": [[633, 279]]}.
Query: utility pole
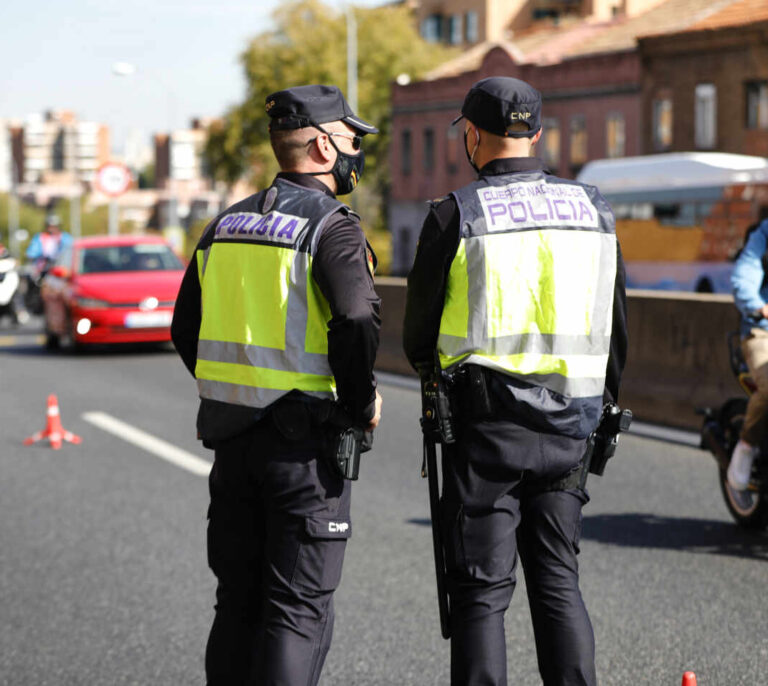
{"points": [[352, 71], [351, 58], [74, 214], [13, 210]]}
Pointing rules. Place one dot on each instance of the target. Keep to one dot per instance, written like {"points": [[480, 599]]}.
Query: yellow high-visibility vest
{"points": [[530, 290], [264, 323]]}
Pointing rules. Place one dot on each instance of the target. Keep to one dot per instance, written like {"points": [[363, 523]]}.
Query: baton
{"points": [[430, 464]]}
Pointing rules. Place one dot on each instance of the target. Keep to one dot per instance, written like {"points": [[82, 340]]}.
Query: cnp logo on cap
{"points": [[494, 104]]}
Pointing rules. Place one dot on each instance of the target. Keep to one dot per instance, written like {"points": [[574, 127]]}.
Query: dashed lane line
{"points": [[14, 341], [158, 447]]}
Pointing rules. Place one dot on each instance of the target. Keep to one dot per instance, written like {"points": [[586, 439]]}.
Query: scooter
{"points": [[33, 279], [9, 284], [719, 435]]}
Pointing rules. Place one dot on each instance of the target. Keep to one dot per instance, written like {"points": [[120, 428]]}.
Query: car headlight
{"points": [[91, 302]]}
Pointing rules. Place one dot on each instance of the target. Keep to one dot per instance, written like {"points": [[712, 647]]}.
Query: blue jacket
{"points": [[750, 287], [36, 248]]}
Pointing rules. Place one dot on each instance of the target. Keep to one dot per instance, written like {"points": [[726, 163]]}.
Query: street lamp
{"points": [[125, 69]]}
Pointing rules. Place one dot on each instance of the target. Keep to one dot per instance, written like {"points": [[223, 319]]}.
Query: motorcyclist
{"points": [[750, 293], [48, 243]]}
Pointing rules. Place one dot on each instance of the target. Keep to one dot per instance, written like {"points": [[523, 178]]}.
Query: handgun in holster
{"points": [[344, 442], [602, 442], [346, 448]]}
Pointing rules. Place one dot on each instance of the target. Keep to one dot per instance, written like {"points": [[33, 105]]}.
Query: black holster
{"points": [[470, 393], [342, 443]]}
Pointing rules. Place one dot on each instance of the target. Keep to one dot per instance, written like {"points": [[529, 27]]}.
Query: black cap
{"points": [[295, 108], [494, 104]]}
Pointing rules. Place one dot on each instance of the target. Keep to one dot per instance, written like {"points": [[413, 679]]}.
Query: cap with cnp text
{"points": [[295, 108], [497, 103]]}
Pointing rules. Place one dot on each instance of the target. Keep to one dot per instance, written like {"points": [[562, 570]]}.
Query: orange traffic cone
{"points": [[53, 431], [689, 679]]}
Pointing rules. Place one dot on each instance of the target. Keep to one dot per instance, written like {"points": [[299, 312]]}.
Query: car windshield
{"points": [[142, 257]]}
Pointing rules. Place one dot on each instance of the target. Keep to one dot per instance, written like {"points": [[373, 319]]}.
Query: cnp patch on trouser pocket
{"points": [[321, 552]]}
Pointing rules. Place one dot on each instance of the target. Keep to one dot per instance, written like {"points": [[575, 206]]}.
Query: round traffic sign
{"points": [[113, 178]]}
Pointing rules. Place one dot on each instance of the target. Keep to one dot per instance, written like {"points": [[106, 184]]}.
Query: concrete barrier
{"points": [[677, 360]]}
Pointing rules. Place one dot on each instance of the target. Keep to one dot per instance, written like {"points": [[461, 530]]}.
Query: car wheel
{"points": [[52, 341]]}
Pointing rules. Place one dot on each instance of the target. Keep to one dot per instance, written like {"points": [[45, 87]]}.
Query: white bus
{"points": [[681, 217]]}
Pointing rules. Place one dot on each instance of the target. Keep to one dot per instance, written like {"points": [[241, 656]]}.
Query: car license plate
{"points": [[148, 320]]}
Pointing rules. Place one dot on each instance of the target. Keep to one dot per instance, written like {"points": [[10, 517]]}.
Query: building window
{"points": [[455, 33], [549, 144], [429, 150], [615, 135], [405, 152], [452, 149], [757, 104], [578, 140], [706, 116], [470, 27], [662, 124], [431, 28]]}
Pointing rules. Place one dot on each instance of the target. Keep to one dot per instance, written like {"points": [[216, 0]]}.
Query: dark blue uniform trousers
{"points": [[492, 508], [278, 524]]}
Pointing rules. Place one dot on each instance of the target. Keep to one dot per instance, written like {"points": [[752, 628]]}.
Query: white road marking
{"points": [[156, 446]]}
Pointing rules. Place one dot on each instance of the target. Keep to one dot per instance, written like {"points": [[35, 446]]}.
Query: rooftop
{"points": [[550, 43]]}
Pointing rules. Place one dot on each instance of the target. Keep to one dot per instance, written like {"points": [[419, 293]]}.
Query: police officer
{"points": [[518, 284], [276, 317]]}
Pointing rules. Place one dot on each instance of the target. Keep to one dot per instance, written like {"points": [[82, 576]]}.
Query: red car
{"points": [[111, 289]]}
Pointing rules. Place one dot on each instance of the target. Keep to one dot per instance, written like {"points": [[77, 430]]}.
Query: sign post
{"points": [[113, 179]]}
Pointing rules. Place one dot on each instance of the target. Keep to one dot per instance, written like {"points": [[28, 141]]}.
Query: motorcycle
{"points": [[719, 435], [33, 279], [9, 284]]}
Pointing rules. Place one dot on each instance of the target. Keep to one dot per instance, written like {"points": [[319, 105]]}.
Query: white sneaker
{"points": [[740, 466]]}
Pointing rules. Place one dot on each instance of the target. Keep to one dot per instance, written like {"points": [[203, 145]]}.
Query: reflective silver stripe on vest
{"points": [[246, 395], [543, 343], [260, 356], [568, 387]]}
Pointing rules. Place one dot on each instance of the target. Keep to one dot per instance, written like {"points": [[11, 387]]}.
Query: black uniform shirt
{"points": [[438, 243], [342, 267]]}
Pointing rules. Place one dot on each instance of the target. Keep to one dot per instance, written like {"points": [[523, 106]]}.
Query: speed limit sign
{"points": [[113, 179]]}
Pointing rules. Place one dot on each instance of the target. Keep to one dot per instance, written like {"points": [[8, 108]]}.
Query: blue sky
{"points": [[58, 54]]}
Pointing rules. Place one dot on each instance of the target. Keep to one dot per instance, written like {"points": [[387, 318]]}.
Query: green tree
{"points": [[309, 45], [31, 218]]}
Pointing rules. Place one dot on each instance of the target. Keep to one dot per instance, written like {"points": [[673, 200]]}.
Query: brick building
{"points": [[706, 88], [586, 65]]}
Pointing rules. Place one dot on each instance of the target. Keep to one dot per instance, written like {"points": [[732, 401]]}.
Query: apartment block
{"points": [[583, 57], [706, 88], [57, 144], [179, 155]]}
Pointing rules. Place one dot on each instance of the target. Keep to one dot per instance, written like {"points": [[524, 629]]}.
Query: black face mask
{"points": [[469, 157], [347, 170]]}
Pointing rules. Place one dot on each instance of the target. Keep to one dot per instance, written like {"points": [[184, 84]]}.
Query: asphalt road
{"points": [[103, 576]]}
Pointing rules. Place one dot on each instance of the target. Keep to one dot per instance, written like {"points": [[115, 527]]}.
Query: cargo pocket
{"points": [[321, 553]]}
